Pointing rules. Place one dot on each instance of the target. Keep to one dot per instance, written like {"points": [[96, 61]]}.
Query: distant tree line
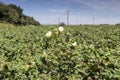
{"points": [[10, 13]]}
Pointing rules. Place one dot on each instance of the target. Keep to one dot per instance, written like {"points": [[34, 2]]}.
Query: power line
{"points": [[67, 11]]}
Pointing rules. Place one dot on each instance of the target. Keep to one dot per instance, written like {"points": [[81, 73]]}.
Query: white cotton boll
{"points": [[61, 29], [74, 44], [48, 34]]}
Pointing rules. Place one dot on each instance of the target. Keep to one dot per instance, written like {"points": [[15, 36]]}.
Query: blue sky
{"points": [[81, 11]]}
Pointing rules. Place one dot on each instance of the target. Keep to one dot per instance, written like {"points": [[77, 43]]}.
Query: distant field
{"points": [[75, 53]]}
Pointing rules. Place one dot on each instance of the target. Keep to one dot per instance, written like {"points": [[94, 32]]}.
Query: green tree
{"points": [[14, 15]]}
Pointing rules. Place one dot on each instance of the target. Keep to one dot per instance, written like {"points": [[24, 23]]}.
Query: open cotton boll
{"points": [[61, 29], [48, 34], [74, 44]]}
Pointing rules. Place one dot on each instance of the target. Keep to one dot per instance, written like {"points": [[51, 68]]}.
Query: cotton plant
{"points": [[55, 39], [54, 32]]}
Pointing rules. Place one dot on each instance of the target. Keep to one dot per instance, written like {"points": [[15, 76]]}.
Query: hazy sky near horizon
{"points": [[81, 11]]}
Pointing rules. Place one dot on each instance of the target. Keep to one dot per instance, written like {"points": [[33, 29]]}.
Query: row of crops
{"points": [[60, 53]]}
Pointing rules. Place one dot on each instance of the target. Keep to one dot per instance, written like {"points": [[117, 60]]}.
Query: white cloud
{"points": [[58, 10], [100, 4]]}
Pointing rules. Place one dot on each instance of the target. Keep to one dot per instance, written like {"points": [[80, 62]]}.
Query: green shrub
{"points": [[61, 24]]}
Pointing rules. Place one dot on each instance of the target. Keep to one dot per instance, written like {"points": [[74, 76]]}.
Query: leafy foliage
{"points": [[13, 14], [26, 53], [61, 24], [118, 24]]}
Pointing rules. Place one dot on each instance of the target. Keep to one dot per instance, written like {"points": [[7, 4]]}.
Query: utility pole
{"points": [[58, 20], [94, 20], [67, 11]]}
